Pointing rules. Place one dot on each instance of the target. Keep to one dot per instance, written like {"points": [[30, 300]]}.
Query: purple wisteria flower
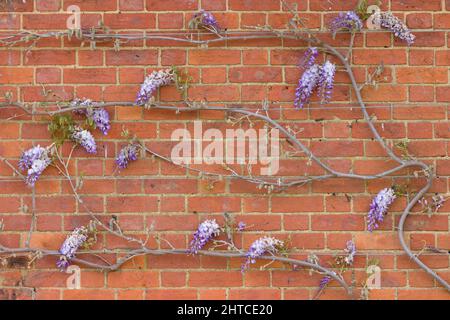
{"points": [[101, 119], [379, 207], [306, 86], [207, 230], [324, 282], [260, 247], [35, 161], [85, 103], [152, 82], [346, 21], [241, 226], [85, 139], [350, 250], [389, 21], [70, 246], [99, 116], [320, 76], [326, 81], [309, 59], [127, 154], [206, 19]]}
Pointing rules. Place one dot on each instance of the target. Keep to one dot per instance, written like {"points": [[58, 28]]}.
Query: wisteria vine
{"points": [[316, 76]]}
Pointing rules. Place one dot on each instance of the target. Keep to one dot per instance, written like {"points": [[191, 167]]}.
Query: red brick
{"points": [[415, 5], [338, 222], [181, 5], [131, 204], [131, 5], [386, 56], [324, 5], [133, 279], [170, 20], [255, 74], [214, 56], [421, 57], [93, 5], [215, 279], [16, 75], [297, 204], [421, 93], [253, 5], [422, 75], [419, 20], [92, 75], [130, 20], [132, 57]]}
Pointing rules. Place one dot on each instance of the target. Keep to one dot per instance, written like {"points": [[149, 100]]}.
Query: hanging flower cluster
{"points": [[315, 76], [84, 138], [152, 82], [101, 119], [309, 58], [70, 246], [379, 207], [326, 81], [204, 19], [127, 154], [324, 282], [35, 161], [389, 21], [207, 230], [260, 247], [350, 250], [306, 86], [346, 21], [98, 116]]}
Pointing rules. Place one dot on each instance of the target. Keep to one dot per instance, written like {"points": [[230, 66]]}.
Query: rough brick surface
{"points": [[411, 102]]}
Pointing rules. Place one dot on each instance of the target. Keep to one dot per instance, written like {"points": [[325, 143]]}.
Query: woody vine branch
{"points": [[296, 31]]}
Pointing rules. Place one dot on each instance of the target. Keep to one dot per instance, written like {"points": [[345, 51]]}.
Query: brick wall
{"points": [[412, 101]]}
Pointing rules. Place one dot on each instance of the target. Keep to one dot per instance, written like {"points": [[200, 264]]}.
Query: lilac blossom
{"points": [[207, 230], [309, 58], [127, 154], [70, 246], [152, 82], [389, 21], [85, 139], [350, 250], [348, 21], [35, 161], [260, 247], [306, 86], [326, 81], [379, 208], [206, 19]]}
